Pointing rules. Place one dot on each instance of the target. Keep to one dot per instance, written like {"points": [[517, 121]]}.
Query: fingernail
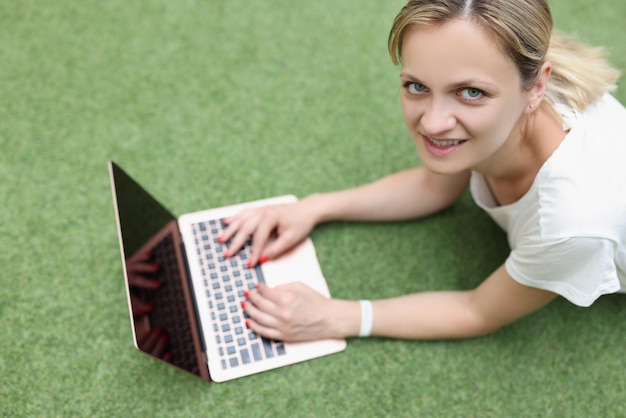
{"points": [[243, 305], [157, 283], [225, 253], [263, 259], [164, 339], [168, 356], [159, 331], [249, 265], [247, 324], [148, 255], [155, 267], [220, 238], [149, 308], [246, 294]]}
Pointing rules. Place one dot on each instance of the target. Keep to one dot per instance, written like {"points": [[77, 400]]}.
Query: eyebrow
{"points": [[463, 83]]}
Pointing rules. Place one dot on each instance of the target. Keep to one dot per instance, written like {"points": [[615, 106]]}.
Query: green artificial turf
{"points": [[213, 102]]}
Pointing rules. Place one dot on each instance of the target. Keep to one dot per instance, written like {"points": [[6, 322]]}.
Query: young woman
{"points": [[494, 101]]}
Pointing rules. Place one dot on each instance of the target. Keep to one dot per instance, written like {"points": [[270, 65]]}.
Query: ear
{"points": [[538, 91]]}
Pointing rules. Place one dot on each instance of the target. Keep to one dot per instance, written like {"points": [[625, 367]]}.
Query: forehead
{"points": [[456, 50]]}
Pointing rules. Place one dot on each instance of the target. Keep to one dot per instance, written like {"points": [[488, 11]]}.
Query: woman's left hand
{"points": [[291, 312]]}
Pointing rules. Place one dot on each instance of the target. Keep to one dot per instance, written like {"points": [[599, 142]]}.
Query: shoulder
{"points": [[581, 269], [582, 187]]}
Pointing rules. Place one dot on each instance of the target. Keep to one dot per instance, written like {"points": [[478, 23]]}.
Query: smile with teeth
{"points": [[443, 144]]}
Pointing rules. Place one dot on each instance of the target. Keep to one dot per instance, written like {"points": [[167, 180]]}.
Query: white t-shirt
{"points": [[568, 232]]}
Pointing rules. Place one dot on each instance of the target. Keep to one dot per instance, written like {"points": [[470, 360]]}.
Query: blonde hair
{"points": [[522, 29]]}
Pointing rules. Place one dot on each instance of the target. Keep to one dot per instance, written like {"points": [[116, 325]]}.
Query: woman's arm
{"points": [[405, 195], [496, 302], [408, 194], [294, 312]]}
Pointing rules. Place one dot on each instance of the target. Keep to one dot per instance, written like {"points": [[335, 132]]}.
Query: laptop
{"points": [[185, 297]]}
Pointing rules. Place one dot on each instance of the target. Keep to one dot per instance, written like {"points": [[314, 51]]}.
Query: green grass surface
{"points": [[214, 102]]}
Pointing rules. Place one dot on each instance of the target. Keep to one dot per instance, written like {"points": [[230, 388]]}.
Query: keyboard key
{"points": [[245, 356], [256, 352], [267, 347]]}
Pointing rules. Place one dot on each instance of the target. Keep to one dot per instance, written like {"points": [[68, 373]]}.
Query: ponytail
{"points": [[580, 73]]}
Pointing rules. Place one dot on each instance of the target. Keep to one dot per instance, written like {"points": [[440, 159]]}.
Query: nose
{"points": [[437, 118]]}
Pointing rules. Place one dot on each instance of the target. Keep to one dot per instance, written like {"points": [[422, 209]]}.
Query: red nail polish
{"points": [[155, 267], [220, 239], [246, 294], [247, 324], [243, 305], [164, 339], [263, 259], [249, 265], [168, 356]]}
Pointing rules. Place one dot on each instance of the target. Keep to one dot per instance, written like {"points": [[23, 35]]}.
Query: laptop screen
{"points": [[163, 315]]}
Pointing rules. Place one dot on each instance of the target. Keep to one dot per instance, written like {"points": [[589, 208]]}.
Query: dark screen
{"points": [[160, 301]]}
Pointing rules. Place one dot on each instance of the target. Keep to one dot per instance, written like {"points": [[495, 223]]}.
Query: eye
{"points": [[471, 93], [415, 88]]}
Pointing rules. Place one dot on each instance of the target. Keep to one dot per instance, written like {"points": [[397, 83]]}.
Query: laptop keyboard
{"points": [[225, 282]]}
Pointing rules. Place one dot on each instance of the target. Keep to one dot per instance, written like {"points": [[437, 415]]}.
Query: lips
{"points": [[442, 147], [444, 143]]}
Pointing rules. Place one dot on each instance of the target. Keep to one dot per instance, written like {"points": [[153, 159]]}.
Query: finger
{"points": [[280, 245], [260, 309], [275, 298], [144, 268], [237, 233], [230, 230], [161, 344], [264, 331], [234, 224], [260, 240], [236, 244], [151, 340], [137, 280], [140, 307], [259, 306]]}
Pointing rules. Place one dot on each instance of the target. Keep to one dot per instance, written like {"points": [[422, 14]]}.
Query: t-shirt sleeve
{"points": [[581, 269]]}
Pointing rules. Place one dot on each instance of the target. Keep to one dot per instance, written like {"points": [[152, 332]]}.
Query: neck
{"points": [[511, 171]]}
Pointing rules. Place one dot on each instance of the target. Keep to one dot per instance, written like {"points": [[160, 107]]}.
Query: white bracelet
{"points": [[367, 318]]}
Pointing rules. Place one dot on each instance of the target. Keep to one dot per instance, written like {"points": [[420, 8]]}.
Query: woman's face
{"points": [[461, 98]]}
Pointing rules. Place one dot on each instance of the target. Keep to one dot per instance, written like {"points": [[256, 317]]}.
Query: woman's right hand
{"points": [[274, 230]]}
